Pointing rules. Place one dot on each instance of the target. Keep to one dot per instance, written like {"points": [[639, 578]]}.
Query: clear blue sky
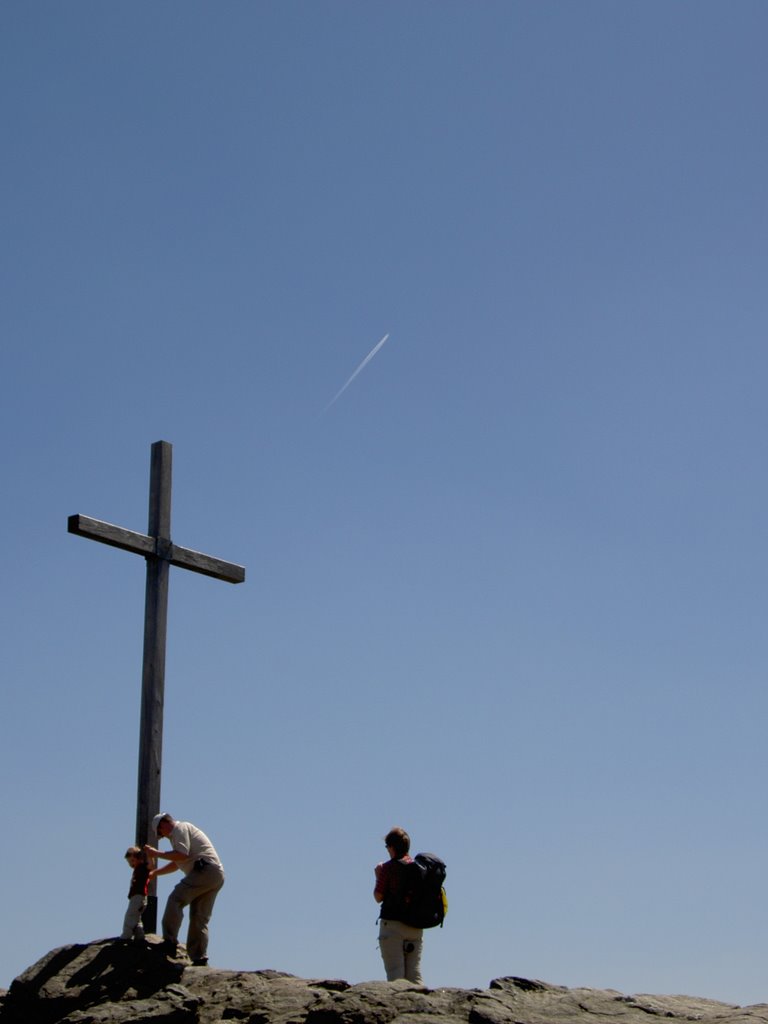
{"points": [[509, 591]]}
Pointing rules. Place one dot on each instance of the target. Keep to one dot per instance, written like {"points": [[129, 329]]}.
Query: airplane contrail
{"points": [[364, 363]]}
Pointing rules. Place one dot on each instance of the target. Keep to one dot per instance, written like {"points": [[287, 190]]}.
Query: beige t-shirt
{"points": [[189, 839]]}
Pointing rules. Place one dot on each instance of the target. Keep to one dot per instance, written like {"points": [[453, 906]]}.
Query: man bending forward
{"points": [[193, 853]]}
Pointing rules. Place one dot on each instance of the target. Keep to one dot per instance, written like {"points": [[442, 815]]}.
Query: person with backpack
{"points": [[400, 943]]}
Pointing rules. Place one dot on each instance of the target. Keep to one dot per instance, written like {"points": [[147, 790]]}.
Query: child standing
{"points": [[137, 894]]}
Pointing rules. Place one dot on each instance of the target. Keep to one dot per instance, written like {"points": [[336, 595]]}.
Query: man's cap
{"points": [[158, 818]]}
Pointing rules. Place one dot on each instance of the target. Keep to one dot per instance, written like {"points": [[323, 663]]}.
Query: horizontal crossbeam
{"points": [[186, 558], [141, 544], [115, 536]]}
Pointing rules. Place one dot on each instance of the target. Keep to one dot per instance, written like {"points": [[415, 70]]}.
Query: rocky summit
{"points": [[111, 982]]}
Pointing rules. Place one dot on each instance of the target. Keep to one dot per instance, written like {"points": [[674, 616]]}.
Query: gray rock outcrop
{"points": [[110, 982]]}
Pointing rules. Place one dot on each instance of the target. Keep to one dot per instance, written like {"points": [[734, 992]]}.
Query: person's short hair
{"points": [[134, 851], [399, 840]]}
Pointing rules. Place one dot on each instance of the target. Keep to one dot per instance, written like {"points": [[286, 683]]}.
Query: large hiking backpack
{"points": [[425, 904]]}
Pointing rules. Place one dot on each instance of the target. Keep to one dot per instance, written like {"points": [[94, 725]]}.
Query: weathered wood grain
{"points": [[108, 533]]}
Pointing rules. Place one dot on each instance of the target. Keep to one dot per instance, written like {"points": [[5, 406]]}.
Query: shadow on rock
{"points": [[82, 976]]}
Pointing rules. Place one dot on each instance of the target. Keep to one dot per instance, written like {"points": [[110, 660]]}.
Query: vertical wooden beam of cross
{"points": [[161, 553]]}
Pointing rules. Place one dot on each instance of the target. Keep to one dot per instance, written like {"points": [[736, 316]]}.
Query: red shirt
{"points": [[388, 879], [139, 881]]}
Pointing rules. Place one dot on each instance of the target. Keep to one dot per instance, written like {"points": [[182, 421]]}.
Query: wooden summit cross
{"points": [[156, 546]]}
